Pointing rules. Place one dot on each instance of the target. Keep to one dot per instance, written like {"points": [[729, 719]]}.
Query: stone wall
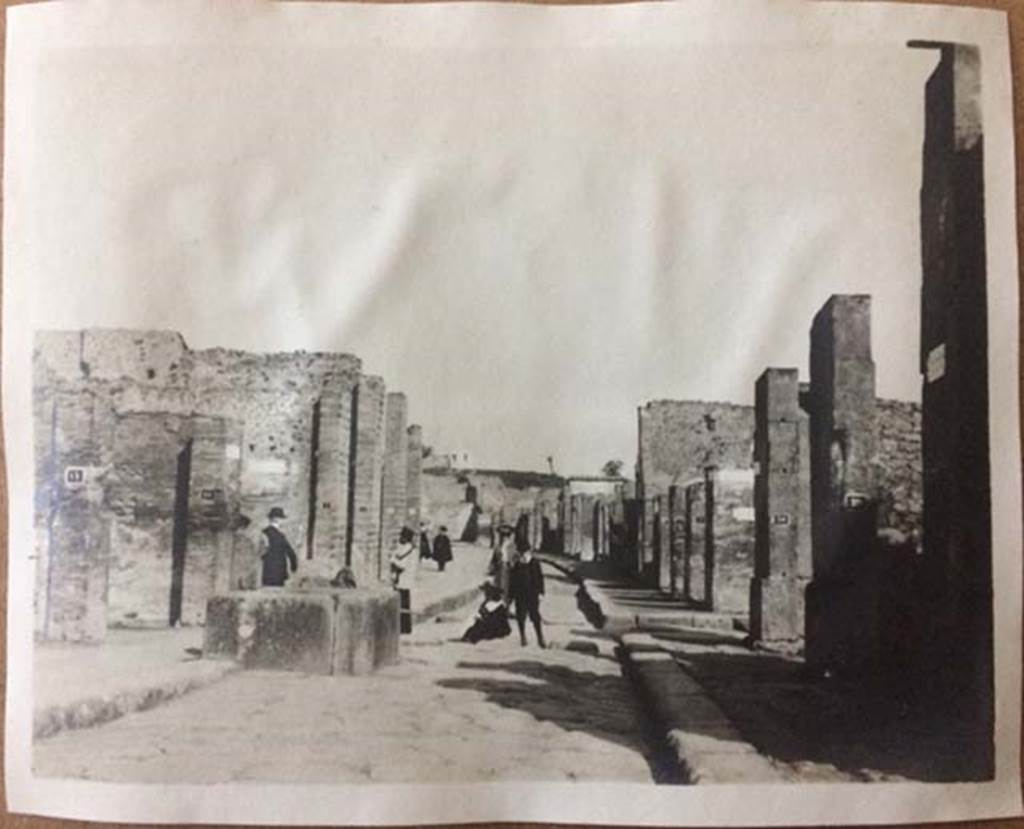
{"points": [[396, 454], [156, 466], [957, 534], [679, 438], [365, 547], [506, 493], [413, 475], [898, 471]]}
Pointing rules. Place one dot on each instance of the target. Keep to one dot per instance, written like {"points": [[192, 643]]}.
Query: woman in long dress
{"points": [[401, 558], [491, 619], [503, 559]]}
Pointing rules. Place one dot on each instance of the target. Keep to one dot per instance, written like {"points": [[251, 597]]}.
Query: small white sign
{"points": [[267, 466], [935, 366], [232, 451], [743, 513], [74, 475]]}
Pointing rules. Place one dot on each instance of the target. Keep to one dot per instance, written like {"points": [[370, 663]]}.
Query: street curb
{"points": [[92, 711], [446, 605], [703, 741]]}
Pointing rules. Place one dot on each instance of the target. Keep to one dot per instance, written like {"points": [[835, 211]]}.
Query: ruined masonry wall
{"points": [[413, 476], [365, 551], [678, 438], [396, 453], [898, 465], [255, 451]]}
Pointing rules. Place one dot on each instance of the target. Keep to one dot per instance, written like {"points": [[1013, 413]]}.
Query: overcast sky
{"points": [[528, 242]]}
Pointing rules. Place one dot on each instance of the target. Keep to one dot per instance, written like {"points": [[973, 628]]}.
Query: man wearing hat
{"points": [[275, 551]]}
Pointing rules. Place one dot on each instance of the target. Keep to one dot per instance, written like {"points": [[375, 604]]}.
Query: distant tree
{"points": [[427, 451], [612, 469]]}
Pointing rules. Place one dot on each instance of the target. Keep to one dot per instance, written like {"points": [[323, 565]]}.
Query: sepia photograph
{"points": [[447, 395]]}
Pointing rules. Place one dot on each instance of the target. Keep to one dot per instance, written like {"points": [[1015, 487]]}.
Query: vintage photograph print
{"points": [[617, 415]]}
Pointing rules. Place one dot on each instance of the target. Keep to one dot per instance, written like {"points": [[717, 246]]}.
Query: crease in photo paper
{"points": [[481, 412]]}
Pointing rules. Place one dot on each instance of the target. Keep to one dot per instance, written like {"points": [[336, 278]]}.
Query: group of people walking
{"points": [[516, 579], [277, 560], [403, 556]]}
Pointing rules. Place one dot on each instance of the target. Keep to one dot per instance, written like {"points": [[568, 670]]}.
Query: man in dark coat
{"points": [[278, 557], [525, 587], [425, 550], [442, 548]]}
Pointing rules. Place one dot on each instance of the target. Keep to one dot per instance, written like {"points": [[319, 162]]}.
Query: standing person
{"points": [[401, 557], [278, 557], [244, 574], [442, 548], [425, 550], [526, 586], [503, 558]]}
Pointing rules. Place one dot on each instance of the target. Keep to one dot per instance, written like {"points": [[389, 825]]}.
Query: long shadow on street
{"points": [[574, 700], [863, 728]]}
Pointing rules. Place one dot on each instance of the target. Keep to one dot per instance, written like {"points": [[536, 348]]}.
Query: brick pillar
{"points": [[72, 597], [709, 536], [805, 567], [537, 525], [957, 537], [366, 468], [548, 524], [841, 612], [776, 590], [214, 499], [413, 480], [575, 519], [663, 545], [327, 517], [602, 530], [677, 540], [693, 556], [396, 454], [647, 537], [588, 537], [565, 523]]}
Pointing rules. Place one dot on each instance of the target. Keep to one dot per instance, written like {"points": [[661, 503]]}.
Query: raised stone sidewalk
{"points": [[78, 685], [434, 593], [705, 744]]}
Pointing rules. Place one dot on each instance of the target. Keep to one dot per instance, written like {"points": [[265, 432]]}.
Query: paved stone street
{"points": [[450, 712]]}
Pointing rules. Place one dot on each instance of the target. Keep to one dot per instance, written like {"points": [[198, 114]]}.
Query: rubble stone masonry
{"points": [[153, 460], [396, 454]]}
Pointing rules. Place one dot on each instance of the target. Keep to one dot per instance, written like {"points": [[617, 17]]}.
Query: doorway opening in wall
{"points": [[353, 448], [314, 473], [179, 532]]}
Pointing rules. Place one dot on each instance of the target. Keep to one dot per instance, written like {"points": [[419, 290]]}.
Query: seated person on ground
{"points": [[491, 620]]}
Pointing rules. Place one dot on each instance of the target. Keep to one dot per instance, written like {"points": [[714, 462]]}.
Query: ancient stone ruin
{"points": [[156, 466], [826, 520]]}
